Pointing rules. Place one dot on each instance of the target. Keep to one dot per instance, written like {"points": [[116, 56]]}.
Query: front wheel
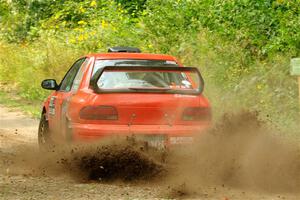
{"points": [[44, 138]]}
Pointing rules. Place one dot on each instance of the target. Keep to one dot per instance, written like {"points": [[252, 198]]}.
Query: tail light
{"points": [[197, 114], [99, 113]]}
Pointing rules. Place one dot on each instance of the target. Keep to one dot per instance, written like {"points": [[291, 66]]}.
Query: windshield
{"points": [[142, 79], [102, 63], [139, 79]]}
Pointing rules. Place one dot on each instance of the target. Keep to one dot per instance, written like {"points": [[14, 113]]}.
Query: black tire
{"points": [[44, 137]]}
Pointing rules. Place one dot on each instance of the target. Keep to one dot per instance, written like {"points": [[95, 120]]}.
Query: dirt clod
{"points": [[116, 163]]}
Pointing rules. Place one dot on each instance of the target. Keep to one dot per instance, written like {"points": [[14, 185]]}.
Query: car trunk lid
{"points": [[147, 109]]}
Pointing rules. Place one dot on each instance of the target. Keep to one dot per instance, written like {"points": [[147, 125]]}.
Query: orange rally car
{"points": [[124, 92]]}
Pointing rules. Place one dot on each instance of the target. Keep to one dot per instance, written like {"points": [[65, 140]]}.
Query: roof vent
{"points": [[124, 49]]}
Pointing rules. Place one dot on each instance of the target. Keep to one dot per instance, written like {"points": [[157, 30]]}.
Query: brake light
{"points": [[197, 114], [99, 113]]}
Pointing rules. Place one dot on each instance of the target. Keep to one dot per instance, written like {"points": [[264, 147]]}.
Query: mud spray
{"points": [[106, 161], [240, 151]]}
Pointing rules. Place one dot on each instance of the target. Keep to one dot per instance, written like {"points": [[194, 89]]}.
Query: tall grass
{"points": [[244, 60], [231, 84], [25, 66]]}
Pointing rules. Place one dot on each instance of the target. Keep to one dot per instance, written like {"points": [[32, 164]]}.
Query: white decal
{"points": [[52, 106]]}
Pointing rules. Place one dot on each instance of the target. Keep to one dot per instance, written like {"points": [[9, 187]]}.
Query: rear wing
{"points": [[195, 91]]}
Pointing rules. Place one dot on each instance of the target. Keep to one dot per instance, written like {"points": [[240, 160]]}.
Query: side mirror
{"points": [[49, 84]]}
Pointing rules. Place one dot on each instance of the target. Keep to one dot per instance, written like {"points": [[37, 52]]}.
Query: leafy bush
{"points": [[242, 47]]}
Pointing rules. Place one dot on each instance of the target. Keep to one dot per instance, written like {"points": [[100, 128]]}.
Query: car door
{"points": [[64, 93]]}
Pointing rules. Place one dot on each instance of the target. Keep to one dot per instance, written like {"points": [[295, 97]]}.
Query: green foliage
{"points": [[133, 7], [242, 47], [31, 64], [261, 27], [11, 99], [4, 9]]}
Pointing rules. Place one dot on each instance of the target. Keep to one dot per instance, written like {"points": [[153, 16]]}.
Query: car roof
{"points": [[138, 56]]}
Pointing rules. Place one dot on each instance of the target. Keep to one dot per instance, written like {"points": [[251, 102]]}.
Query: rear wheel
{"points": [[44, 137]]}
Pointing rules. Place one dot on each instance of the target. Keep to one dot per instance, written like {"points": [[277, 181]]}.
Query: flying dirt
{"points": [[242, 152], [239, 158]]}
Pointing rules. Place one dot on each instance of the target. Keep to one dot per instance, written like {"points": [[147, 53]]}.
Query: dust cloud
{"points": [[240, 151]]}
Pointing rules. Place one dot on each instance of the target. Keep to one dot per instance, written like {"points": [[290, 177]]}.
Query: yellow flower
{"points": [[81, 9], [93, 3], [259, 86], [81, 22], [72, 41], [57, 15], [103, 23], [81, 38]]}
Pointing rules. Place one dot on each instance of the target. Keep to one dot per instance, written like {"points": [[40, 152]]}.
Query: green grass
{"points": [[244, 59], [13, 100], [232, 82]]}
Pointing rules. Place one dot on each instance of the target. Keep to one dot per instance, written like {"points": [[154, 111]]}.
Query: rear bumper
{"points": [[85, 132]]}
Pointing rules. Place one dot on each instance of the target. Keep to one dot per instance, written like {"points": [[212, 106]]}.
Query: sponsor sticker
{"points": [[52, 106]]}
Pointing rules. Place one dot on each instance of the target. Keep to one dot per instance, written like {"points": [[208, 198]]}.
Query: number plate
{"points": [[156, 141], [181, 140]]}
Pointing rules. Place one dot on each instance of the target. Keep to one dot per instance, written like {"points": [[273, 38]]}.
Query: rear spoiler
{"points": [[97, 75]]}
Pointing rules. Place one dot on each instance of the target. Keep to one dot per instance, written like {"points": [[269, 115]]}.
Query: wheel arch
{"points": [[44, 112]]}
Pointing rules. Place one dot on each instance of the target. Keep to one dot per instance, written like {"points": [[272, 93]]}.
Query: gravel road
{"points": [[19, 179]]}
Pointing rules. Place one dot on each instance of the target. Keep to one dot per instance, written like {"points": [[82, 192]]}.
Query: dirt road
{"points": [[19, 179]]}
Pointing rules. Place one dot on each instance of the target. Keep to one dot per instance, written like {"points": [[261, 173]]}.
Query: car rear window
{"points": [[142, 79]]}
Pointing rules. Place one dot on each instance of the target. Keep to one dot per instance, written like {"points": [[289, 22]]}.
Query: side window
{"points": [[67, 82], [79, 76]]}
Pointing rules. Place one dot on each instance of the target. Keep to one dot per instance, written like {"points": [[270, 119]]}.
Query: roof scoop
{"points": [[124, 50]]}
